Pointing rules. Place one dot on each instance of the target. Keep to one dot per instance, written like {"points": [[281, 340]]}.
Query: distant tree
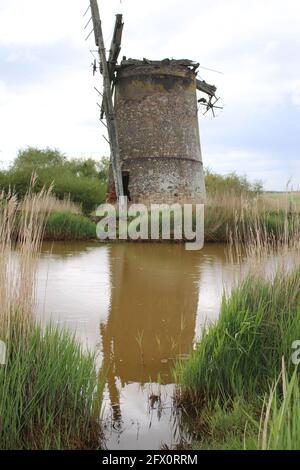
{"points": [[232, 182], [34, 159], [103, 169], [89, 167], [83, 180]]}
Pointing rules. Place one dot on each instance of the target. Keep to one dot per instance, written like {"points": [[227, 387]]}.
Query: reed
{"points": [[61, 205], [240, 355], [279, 427], [249, 219], [64, 225], [50, 395]]}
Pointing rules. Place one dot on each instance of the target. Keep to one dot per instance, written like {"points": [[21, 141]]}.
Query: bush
{"points": [[66, 226], [231, 183], [84, 181]]}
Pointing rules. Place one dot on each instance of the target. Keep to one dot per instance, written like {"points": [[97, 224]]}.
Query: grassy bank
{"points": [[50, 395], [240, 355], [230, 215], [65, 226], [224, 381], [48, 392], [280, 423], [79, 186], [225, 218]]}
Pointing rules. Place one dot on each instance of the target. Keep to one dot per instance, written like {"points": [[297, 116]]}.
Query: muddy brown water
{"points": [[140, 306]]}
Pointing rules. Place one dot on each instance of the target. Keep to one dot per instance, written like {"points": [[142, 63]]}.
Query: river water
{"points": [[140, 306]]}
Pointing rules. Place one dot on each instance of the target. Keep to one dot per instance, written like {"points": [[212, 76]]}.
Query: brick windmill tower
{"points": [[151, 110]]}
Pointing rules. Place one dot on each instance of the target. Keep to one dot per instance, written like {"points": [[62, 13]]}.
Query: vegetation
{"points": [[224, 381], [230, 184], [289, 201], [240, 355], [227, 214], [48, 392], [50, 395], [279, 426], [63, 226], [226, 426], [79, 185], [83, 181], [236, 205]]}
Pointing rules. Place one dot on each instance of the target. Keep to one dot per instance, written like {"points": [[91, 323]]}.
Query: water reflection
{"points": [[151, 321], [152, 311], [160, 297], [142, 306]]}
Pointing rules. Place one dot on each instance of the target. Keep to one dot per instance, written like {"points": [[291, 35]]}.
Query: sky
{"points": [[47, 95]]}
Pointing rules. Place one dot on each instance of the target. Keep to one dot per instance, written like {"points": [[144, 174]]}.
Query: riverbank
{"points": [[50, 392], [89, 284], [224, 219], [239, 387]]}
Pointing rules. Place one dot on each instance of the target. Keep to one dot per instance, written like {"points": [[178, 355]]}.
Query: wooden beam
{"points": [[115, 47], [114, 52], [108, 101], [181, 62], [206, 88]]}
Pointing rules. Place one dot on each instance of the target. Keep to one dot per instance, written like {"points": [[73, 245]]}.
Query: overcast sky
{"points": [[46, 84]]}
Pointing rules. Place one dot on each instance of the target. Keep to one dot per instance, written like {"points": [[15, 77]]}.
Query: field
{"points": [[289, 200]]}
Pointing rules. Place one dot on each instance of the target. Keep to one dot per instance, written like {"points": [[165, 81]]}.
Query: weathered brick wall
{"points": [[156, 109]]}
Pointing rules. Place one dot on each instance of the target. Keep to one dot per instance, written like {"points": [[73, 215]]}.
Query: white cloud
{"points": [[31, 22], [295, 92], [254, 43]]}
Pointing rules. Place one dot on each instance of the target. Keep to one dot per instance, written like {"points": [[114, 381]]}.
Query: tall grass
{"points": [[50, 395], [248, 218], [64, 225], [280, 423], [238, 358], [243, 217], [240, 355], [61, 205]]}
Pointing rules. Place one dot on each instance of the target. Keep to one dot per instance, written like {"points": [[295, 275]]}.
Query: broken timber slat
{"points": [[108, 101], [206, 88], [114, 52], [116, 40], [183, 62]]}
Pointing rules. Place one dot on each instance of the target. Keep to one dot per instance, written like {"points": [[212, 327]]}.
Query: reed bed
{"points": [[239, 357], [279, 426], [50, 395], [60, 205], [248, 219], [288, 201], [65, 226]]}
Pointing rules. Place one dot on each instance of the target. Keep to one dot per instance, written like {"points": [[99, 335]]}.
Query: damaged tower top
{"points": [[155, 114]]}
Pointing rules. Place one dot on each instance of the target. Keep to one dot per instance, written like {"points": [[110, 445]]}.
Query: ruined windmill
{"points": [[152, 124]]}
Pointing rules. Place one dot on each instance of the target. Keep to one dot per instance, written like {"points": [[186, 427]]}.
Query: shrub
{"points": [[82, 180], [231, 183]]}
